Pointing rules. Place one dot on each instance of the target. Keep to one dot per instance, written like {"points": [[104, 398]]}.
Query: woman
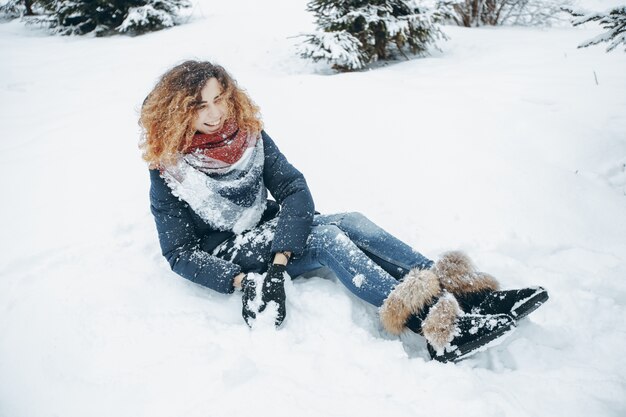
{"points": [[211, 167]]}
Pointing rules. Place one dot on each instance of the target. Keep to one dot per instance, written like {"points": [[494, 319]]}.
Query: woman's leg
{"points": [[394, 256], [251, 250], [329, 246], [364, 257]]}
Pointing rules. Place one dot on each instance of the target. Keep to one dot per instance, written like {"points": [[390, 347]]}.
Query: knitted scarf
{"points": [[220, 176], [217, 152]]}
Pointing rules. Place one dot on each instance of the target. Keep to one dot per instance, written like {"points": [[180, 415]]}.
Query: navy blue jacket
{"points": [[187, 241]]}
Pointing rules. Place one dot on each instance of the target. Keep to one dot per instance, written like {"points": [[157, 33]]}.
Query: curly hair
{"points": [[168, 112]]}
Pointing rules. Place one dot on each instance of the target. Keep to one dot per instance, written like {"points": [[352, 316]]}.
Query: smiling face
{"points": [[212, 109]]}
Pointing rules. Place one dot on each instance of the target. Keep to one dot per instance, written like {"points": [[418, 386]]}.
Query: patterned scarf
{"points": [[217, 152], [220, 176]]}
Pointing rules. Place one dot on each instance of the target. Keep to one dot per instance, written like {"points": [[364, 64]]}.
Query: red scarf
{"points": [[226, 145]]}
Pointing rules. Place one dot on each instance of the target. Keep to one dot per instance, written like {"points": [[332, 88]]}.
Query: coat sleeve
{"points": [[288, 186], [180, 242]]}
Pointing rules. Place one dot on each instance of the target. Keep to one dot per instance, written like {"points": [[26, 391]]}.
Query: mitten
{"points": [[274, 290], [249, 299]]}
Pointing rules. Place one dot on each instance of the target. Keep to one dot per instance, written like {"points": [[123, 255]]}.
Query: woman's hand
{"points": [[255, 300], [249, 299], [238, 279], [274, 290], [281, 258]]}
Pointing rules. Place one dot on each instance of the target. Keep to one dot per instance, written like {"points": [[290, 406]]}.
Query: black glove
{"points": [[274, 290], [248, 299]]}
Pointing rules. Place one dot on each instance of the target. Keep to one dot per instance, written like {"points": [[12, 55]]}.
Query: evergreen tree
{"points": [[614, 20], [16, 8], [103, 17], [357, 32]]}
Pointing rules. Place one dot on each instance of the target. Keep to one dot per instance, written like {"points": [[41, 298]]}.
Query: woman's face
{"points": [[212, 109]]}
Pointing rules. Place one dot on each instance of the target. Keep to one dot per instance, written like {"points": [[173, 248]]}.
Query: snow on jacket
{"points": [[187, 241]]}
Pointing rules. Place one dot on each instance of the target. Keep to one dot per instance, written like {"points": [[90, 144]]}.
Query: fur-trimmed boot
{"points": [[478, 292], [418, 303]]}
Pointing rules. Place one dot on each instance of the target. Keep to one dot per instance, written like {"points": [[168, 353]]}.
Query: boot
{"points": [[477, 292], [419, 304], [517, 303], [473, 333]]}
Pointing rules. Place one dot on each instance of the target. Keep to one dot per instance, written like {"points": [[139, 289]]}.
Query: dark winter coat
{"points": [[187, 241]]}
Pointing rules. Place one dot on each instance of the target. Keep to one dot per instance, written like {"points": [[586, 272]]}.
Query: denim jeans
{"points": [[365, 258]]}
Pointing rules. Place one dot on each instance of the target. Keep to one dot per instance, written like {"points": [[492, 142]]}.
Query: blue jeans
{"points": [[365, 258]]}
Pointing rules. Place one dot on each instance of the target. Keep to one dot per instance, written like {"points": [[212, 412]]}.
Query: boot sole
{"points": [[530, 304], [468, 349]]}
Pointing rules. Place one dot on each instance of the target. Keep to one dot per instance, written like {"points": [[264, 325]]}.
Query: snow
{"points": [[143, 16], [358, 280], [502, 145]]}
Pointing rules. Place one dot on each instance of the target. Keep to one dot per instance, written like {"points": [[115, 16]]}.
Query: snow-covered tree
{"points": [[102, 17], [614, 20], [502, 12], [354, 33], [153, 15], [16, 8]]}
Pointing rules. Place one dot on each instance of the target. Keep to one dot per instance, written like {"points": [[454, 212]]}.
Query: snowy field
{"points": [[503, 145]]}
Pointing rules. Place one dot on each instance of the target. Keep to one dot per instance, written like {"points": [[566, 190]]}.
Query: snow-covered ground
{"points": [[503, 144]]}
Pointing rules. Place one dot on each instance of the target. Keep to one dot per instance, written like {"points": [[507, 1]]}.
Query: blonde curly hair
{"points": [[168, 113]]}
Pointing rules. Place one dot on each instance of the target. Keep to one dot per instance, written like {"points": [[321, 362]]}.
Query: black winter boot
{"points": [[419, 304], [453, 335], [517, 303], [474, 333], [477, 292]]}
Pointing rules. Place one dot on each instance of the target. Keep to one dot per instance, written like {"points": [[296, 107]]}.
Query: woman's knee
{"points": [[326, 235], [355, 216], [355, 221]]}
